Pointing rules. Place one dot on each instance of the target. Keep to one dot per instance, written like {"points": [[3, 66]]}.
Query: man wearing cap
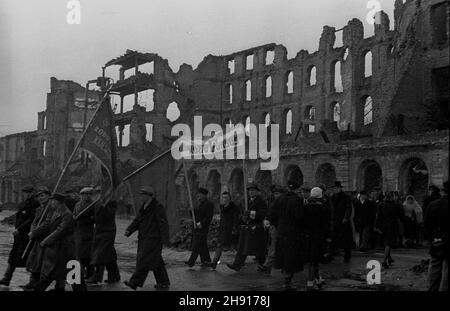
{"points": [[203, 213], [288, 212], [252, 240], [342, 227], [34, 260], [229, 214], [23, 219], [84, 230], [153, 232], [365, 214], [103, 251], [71, 199], [55, 236], [277, 192]]}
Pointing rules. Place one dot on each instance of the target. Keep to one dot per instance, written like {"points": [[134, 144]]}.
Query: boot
{"points": [[8, 276]]}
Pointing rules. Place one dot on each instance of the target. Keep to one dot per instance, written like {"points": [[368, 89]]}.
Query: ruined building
{"points": [[368, 111]]}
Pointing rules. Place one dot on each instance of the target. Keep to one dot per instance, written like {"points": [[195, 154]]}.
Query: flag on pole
{"points": [[99, 140]]}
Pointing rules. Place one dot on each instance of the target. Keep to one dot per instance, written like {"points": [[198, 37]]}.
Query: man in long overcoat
{"points": [[103, 251], [34, 260], [23, 219], [56, 240], [229, 214], [84, 230], [342, 226], [153, 232], [288, 212], [252, 239], [203, 212]]}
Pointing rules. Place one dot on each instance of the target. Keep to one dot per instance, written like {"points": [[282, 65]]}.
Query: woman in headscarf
{"points": [[412, 220]]}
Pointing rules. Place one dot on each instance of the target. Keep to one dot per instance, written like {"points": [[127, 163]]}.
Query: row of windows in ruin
{"points": [[337, 84]]}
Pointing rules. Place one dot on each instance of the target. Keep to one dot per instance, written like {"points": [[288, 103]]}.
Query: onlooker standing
{"points": [[229, 214], [316, 231], [412, 220], [389, 216], [436, 225], [365, 213]]}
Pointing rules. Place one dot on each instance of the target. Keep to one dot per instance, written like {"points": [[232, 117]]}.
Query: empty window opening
{"points": [[310, 113], [149, 132], [229, 93], [439, 22], [44, 122], [312, 76], [247, 126], [270, 57], [346, 53], [267, 120], [173, 112], [368, 64], [339, 39], [231, 66], [148, 68], [126, 136], [368, 110], [128, 103], [113, 72], [248, 90], [44, 148], [268, 86], [249, 62], [311, 128], [336, 112], [337, 77], [289, 122], [290, 82], [146, 99]]}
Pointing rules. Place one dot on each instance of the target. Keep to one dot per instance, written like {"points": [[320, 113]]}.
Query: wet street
{"points": [[338, 275]]}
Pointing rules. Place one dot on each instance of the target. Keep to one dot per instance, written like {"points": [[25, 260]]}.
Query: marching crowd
{"points": [[291, 229]]}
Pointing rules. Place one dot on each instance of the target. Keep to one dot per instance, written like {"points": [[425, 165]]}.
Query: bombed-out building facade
{"points": [[365, 111]]}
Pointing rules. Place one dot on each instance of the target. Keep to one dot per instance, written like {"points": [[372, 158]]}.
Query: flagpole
{"points": [[83, 211], [189, 193], [146, 165], [74, 152]]}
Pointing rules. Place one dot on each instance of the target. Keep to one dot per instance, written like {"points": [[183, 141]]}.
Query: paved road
{"points": [[339, 276]]}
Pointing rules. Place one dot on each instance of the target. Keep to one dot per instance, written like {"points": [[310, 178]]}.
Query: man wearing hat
{"points": [[277, 192], [23, 219], [288, 214], [365, 213], [252, 239], [229, 214], [153, 232], [84, 230], [34, 260], [55, 236], [203, 213], [342, 226], [103, 251], [71, 198]]}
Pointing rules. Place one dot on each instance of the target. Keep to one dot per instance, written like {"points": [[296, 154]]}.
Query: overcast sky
{"points": [[36, 42]]}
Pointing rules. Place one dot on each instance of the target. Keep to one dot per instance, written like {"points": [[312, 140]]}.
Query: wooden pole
{"points": [[86, 209], [146, 165], [191, 204]]}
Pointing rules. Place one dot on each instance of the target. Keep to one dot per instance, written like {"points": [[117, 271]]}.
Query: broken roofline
{"points": [[132, 58]]}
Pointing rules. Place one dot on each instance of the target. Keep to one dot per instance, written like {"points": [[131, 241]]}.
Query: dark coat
{"points": [[316, 229], [103, 251], [34, 260], [436, 223], [56, 233], [204, 213], [84, 230], [365, 213], [389, 215], [228, 223], [23, 220], [288, 212], [153, 231], [252, 239], [342, 210]]}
